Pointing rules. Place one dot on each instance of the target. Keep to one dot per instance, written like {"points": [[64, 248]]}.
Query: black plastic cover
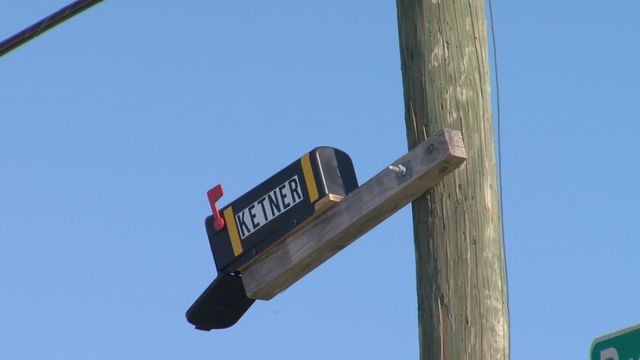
{"points": [[333, 173], [221, 304]]}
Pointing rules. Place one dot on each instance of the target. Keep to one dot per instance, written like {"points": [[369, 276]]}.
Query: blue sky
{"points": [[114, 125]]}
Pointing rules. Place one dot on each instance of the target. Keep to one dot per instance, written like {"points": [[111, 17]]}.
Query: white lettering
{"points": [[272, 204], [609, 354]]}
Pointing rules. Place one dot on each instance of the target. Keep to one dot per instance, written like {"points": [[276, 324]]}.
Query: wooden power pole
{"points": [[461, 283]]}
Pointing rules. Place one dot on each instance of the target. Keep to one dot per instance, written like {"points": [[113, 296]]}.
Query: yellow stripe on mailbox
{"points": [[236, 245], [309, 180]]}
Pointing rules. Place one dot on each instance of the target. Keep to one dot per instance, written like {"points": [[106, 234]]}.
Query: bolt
{"points": [[398, 169], [430, 148]]}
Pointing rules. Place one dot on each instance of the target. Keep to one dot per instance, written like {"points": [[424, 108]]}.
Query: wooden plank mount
{"points": [[318, 239]]}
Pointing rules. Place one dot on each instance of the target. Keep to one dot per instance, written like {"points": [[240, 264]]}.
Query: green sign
{"points": [[621, 345]]}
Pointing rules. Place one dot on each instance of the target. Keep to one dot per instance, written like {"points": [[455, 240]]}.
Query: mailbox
{"points": [[248, 226]]}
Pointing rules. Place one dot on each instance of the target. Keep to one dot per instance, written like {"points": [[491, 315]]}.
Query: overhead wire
{"points": [[45, 24]]}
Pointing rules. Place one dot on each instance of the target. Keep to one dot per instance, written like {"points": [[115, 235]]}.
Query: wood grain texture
{"points": [[326, 203], [460, 270], [322, 205], [360, 211]]}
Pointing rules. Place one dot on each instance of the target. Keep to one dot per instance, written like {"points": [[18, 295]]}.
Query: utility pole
{"points": [[460, 267]]}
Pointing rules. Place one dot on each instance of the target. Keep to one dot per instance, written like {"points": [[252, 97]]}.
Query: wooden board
{"points": [[384, 194], [322, 205]]}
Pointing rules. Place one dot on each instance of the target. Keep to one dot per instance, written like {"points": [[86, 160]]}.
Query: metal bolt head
{"points": [[399, 169]]}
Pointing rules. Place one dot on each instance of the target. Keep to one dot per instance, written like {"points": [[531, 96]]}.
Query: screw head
{"points": [[430, 148], [399, 169]]}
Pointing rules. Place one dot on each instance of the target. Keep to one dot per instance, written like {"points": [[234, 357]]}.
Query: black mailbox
{"points": [[247, 226]]}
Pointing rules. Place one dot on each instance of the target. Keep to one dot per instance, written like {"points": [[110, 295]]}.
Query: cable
{"points": [[45, 24]]}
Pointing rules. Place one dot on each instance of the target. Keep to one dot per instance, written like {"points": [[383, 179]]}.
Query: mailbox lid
{"points": [[221, 305]]}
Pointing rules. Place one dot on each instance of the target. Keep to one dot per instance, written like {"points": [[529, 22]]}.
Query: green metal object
{"points": [[621, 345]]}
